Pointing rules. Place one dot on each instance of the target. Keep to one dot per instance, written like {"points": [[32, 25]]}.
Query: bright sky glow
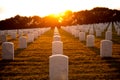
{"points": [[10, 8]]}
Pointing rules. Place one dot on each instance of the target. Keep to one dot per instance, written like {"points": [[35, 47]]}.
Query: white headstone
{"points": [[90, 41], [13, 35], [30, 37], [91, 32], [25, 32], [2, 32], [110, 27], [22, 42], [6, 32], [35, 35], [57, 47], [77, 33], [82, 36], [108, 35], [39, 33], [98, 33], [58, 67], [20, 32], [56, 38], [7, 51], [106, 48], [3, 38], [118, 32]]}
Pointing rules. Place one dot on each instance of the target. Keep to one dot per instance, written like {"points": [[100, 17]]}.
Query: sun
{"points": [[59, 16], [63, 16]]}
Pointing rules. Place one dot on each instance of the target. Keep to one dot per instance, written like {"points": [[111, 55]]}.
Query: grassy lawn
{"points": [[29, 63], [84, 63]]}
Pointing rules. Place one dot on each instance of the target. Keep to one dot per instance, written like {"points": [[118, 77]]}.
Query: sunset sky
{"points": [[10, 8]]}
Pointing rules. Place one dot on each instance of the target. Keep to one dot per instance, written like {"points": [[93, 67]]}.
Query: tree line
{"points": [[95, 15]]}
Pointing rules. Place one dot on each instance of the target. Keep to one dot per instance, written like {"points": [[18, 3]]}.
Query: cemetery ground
{"points": [[84, 63]]}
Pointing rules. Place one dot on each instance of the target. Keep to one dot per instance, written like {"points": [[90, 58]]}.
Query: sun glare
{"points": [[60, 16], [45, 7]]}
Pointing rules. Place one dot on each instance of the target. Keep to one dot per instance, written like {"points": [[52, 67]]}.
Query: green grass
{"points": [[84, 63]]}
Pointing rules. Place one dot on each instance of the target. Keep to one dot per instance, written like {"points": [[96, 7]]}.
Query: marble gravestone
{"points": [[58, 67], [7, 51], [98, 33], [22, 42], [106, 48], [90, 41], [56, 38], [3, 38], [108, 35], [57, 47], [30, 37], [82, 36]]}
